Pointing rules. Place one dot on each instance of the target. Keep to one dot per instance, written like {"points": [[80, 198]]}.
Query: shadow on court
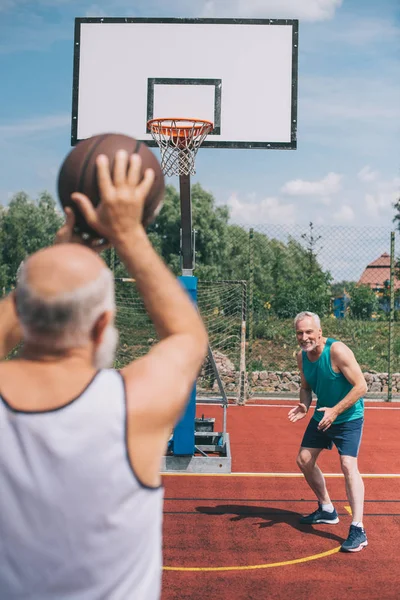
{"points": [[268, 518]]}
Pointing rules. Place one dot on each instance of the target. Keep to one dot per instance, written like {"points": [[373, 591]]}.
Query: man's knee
{"points": [[305, 460], [349, 465]]}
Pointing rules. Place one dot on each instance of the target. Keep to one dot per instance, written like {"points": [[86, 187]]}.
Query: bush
{"points": [[363, 302]]}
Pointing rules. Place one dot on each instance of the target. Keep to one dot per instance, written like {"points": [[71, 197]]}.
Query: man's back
{"points": [[75, 522]]}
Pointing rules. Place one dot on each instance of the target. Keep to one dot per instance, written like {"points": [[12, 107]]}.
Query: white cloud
{"points": [[344, 215], [382, 199], [307, 10], [35, 125], [366, 175], [268, 210], [331, 184]]}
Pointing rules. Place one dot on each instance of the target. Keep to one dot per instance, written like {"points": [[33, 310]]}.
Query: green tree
{"points": [[339, 288], [211, 225], [396, 218], [26, 225], [299, 281], [311, 248], [363, 302]]}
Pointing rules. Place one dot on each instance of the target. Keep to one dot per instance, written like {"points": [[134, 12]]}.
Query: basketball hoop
{"points": [[178, 140]]}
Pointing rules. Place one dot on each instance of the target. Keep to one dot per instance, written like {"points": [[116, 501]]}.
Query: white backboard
{"points": [[240, 74]]}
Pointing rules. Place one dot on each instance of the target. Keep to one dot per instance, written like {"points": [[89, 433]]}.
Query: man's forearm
{"points": [[305, 397], [355, 394], [10, 331], [168, 305]]}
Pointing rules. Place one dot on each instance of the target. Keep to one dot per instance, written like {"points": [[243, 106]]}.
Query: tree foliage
{"points": [[287, 276], [26, 226], [396, 218], [363, 302]]}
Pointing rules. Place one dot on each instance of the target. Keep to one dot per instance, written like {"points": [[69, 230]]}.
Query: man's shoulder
{"points": [[340, 351], [7, 365], [338, 346]]}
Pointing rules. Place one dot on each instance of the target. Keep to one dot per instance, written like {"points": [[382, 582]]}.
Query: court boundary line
{"points": [[278, 475], [295, 402], [284, 563]]}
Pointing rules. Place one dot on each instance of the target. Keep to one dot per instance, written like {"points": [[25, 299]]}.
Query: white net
{"points": [[179, 141], [222, 307]]}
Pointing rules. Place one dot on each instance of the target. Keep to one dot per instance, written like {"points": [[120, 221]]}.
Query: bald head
{"points": [[61, 269], [61, 293]]}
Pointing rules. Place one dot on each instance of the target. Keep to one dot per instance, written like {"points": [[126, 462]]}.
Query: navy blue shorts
{"points": [[346, 436]]}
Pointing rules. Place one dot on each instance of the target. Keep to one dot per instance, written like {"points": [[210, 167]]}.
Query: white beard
{"points": [[105, 353], [309, 347]]}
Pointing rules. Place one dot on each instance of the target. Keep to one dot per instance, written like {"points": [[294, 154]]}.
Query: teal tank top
{"points": [[329, 387]]}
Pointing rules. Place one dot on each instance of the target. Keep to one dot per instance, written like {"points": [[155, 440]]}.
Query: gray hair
{"points": [[65, 320], [307, 313]]}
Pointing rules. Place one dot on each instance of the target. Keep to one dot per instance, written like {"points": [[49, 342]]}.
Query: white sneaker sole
{"points": [[327, 521]]}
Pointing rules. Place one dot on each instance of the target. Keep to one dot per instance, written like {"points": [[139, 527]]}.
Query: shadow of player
{"points": [[269, 516]]}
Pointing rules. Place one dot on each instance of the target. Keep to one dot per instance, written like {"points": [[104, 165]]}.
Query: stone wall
{"points": [[281, 382]]}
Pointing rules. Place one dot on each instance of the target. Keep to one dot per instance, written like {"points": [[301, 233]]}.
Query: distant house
{"points": [[377, 274]]}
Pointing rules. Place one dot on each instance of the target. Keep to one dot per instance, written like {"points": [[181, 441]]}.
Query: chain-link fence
{"points": [[349, 276], [260, 278]]}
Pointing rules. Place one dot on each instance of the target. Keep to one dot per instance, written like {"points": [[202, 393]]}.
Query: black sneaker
{"points": [[356, 541], [320, 516]]}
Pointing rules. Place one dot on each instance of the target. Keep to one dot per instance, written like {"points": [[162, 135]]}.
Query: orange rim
{"points": [[181, 127]]}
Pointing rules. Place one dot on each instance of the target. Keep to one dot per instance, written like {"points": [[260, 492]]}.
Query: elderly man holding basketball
{"points": [[81, 444], [329, 369]]}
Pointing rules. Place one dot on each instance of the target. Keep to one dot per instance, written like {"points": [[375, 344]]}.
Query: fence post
{"points": [[243, 387], [391, 318], [250, 314]]}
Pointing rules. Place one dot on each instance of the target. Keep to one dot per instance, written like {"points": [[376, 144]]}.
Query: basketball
{"points": [[78, 173]]}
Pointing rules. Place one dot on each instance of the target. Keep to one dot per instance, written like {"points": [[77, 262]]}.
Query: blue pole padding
{"points": [[183, 438]]}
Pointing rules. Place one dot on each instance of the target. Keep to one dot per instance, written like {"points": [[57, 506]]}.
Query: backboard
{"points": [[241, 74]]}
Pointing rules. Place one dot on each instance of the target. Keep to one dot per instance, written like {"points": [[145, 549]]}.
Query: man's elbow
{"points": [[197, 344], [203, 342], [363, 388]]}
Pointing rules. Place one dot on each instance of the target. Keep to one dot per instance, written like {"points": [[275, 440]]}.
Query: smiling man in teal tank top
{"points": [[329, 369]]}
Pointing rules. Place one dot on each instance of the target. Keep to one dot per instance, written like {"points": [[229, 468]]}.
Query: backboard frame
{"points": [[210, 142]]}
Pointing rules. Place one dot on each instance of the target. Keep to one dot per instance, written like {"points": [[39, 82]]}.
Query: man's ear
{"points": [[101, 325]]}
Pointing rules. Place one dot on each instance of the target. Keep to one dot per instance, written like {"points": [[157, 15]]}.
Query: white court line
{"points": [[291, 406], [280, 475]]}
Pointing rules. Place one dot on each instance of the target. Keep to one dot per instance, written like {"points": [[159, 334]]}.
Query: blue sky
{"points": [[346, 168]]}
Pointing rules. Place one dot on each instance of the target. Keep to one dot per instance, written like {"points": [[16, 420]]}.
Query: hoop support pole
{"points": [[186, 223]]}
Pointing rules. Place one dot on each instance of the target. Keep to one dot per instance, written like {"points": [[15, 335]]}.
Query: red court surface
{"points": [[237, 536]]}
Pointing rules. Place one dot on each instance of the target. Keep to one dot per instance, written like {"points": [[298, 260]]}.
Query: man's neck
{"points": [[37, 354], [317, 351]]}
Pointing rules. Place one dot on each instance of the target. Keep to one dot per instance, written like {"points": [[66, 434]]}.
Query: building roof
{"points": [[377, 272]]}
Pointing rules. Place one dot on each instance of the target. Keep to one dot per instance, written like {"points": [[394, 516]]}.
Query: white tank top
{"points": [[75, 521]]}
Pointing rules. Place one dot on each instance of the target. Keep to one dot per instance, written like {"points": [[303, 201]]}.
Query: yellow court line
{"points": [[277, 475], [252, 567], [348, 508]]}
